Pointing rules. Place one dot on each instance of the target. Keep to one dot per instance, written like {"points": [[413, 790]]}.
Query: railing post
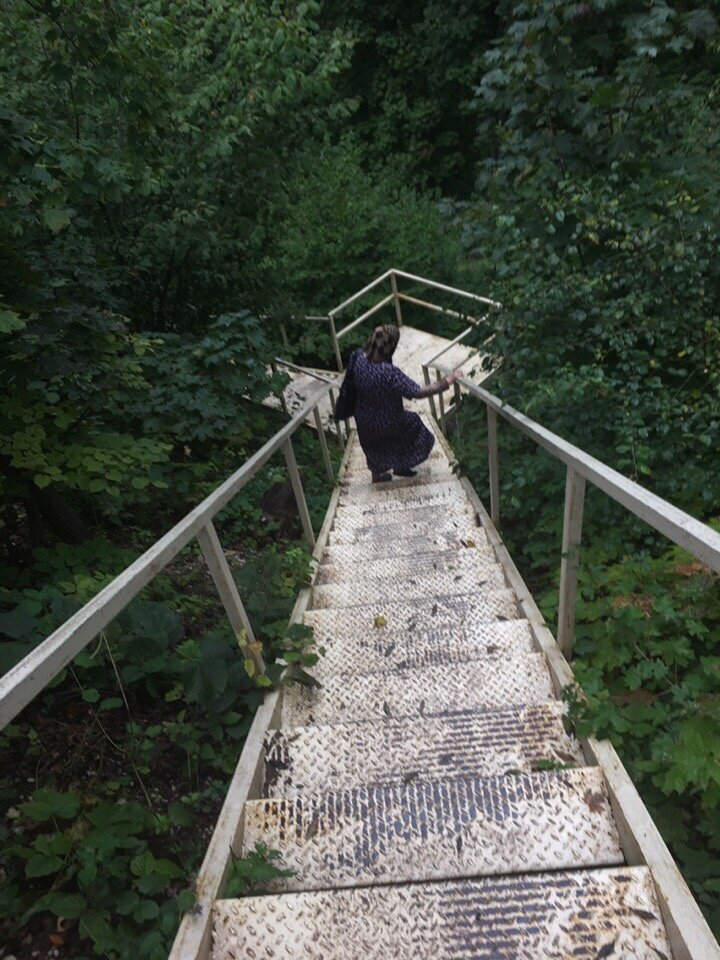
{"points": [[431, 398], [299, 492], [442, 405], [493, 467], [217, 563], [572, 533], [458, 398], [396, 298], [323, 446], [338, 425], [283, 401], [336, 345]]}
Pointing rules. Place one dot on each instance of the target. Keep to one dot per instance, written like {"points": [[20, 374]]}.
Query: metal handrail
{"points": [[395, 296], [686, 531], [307, 370], [26, 679]]}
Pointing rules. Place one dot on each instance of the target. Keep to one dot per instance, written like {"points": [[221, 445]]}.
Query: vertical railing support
{"points": [[431, 398], [396, 299], [493, 471], [441, 401], [323, 446], [219, 569], [283, 401], [336, 344], [572, 533], [299, 492], [338, 425], [458, 399]]}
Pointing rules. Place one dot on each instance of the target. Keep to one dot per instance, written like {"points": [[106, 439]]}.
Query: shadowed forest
{"points": [[179, 183]]}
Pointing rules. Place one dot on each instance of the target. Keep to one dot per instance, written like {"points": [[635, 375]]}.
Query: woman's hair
{"points": [[381, 343]]}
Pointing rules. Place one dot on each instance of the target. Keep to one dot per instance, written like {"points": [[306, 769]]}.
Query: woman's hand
{"points": [[455, 375]]}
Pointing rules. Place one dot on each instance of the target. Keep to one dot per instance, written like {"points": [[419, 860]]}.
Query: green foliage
{"points": [[339, 226], [412, 76], [249, 875], [103, 872]]}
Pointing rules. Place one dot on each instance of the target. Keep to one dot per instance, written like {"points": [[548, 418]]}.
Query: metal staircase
{"points": [[427, 797]]}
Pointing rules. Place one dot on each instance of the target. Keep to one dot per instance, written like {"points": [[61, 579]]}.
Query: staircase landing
{"points": [[415, 348]]}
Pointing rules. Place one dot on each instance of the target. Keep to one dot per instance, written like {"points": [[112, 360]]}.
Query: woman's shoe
{"points": [[381, 477], [405, 473]]}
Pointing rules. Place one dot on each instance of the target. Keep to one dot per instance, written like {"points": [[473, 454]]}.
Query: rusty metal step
{"points": [[396, 493], [427, 583], [453, 561], [424, 691], [570, 915], [393, 833], [390, 506], [382, 650], [473, 743], [459, 613], [458, 520], [473, 538]]}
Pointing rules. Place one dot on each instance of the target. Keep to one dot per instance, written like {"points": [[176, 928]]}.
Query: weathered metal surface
{"points": [[425, 691], [308, 760], [458, 612], [426, 583], [395, 494], [451, 561], [422, 523], [381, 650], [427, 473], [440, 830], [384, 503], [472, 538], [583, 915]]}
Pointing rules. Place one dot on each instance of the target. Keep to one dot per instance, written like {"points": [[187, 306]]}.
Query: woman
{"points": [[393, 439]]}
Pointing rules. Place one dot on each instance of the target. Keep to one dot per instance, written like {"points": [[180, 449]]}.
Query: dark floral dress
{"points": [[392, 438]]}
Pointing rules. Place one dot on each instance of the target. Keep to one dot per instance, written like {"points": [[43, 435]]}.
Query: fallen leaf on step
{"points": [[380, 621], [468, 544]]}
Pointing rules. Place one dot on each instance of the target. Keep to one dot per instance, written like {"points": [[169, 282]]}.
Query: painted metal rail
{"points": [[686, 531], [26, 679]]}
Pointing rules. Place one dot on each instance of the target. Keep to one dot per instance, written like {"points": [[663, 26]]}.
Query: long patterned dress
{"points": [[392, 438]]}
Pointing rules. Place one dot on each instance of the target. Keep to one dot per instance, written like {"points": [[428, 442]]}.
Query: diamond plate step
{"points": [[351, 593], [583, 915], [425, 691], [470, 539], [337, 570], [382, 505], [454, 520], [358, 475], [458, 612], [382, 650], [442, 830], [391, 495], [471, 744]]}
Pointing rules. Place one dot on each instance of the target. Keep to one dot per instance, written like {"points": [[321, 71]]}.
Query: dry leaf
{"points": [[380, 621]]}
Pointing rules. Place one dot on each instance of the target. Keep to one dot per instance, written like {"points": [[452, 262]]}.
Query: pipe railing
{"points": [[686, 531], [396, 297], [30, 676]]}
